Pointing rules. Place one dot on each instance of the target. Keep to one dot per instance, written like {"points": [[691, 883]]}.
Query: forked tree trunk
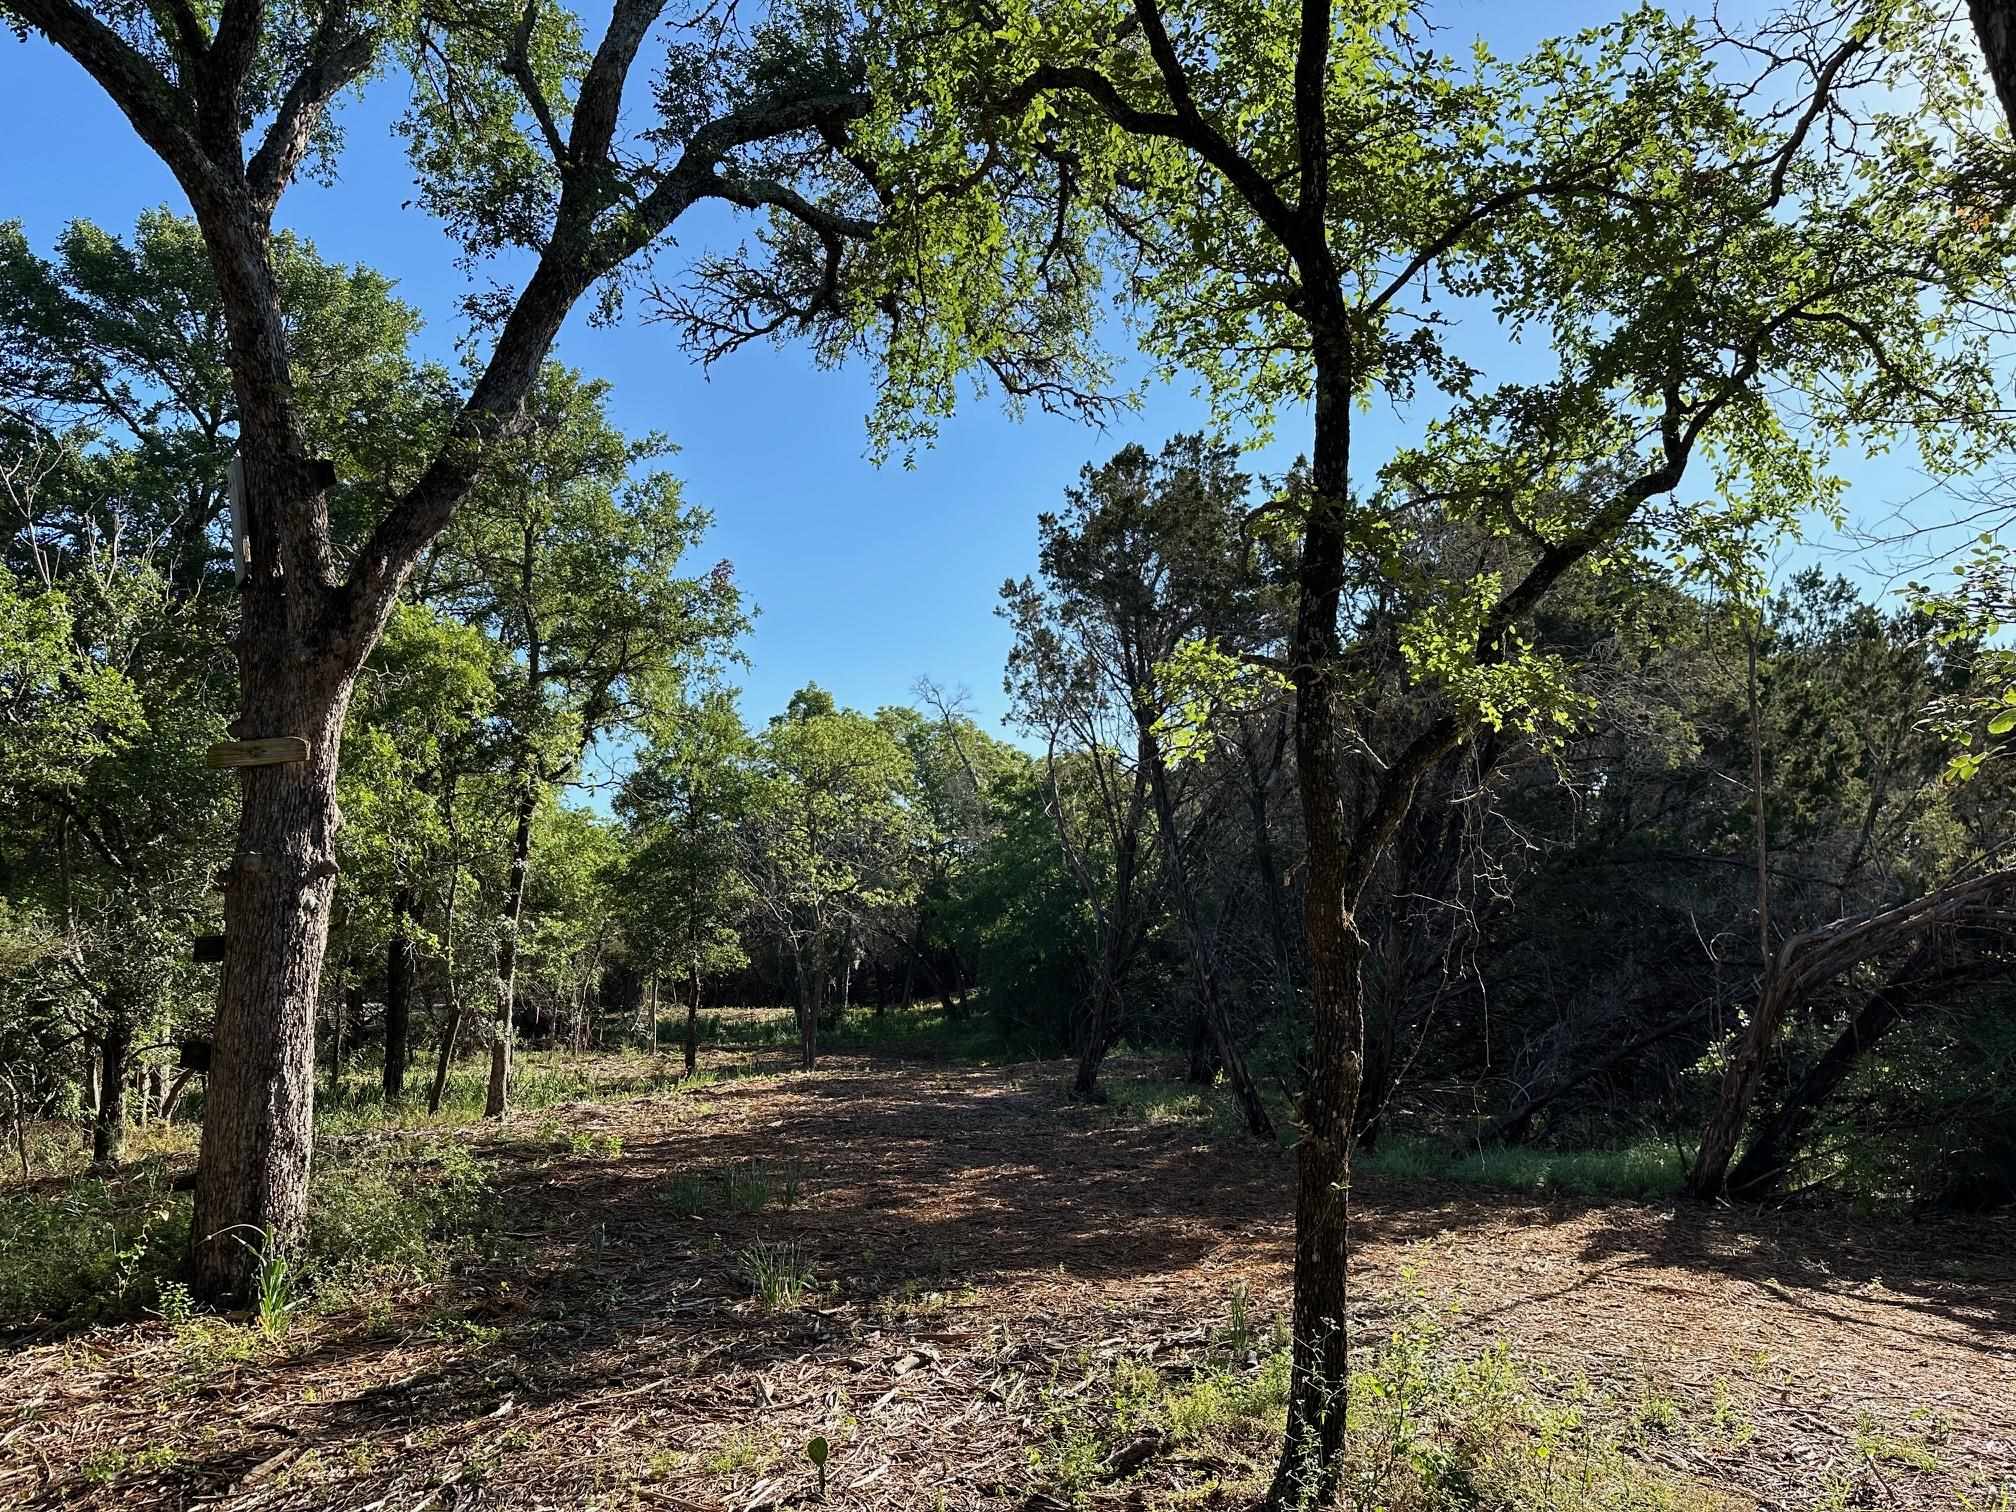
{"points": [[399, 974]]}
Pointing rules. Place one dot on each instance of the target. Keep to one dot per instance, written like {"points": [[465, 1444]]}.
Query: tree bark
{"points": [[399, 974], [1335, 950], [259, 1106], [450, 1032], [1995, 29], [108, 1126]]}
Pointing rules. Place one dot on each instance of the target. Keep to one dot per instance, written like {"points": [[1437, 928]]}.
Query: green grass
{"points": [[779, 1274], [387, 1212], [1648, 1169], [1431, 1430], [926, 1028]]}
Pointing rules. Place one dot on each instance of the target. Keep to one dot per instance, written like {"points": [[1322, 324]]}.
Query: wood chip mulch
{"points": [[978, 1243]]}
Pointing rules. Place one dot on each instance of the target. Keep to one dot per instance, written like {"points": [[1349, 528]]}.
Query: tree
{"points": [[1314, 205], [566, 556], [681, 894], [421, 728], [522, 142], [828, 837], [1149, 563]]}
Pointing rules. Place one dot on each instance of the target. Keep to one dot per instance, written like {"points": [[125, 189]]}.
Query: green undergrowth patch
{"points": [[1430, 1430], [930, 1030], [384, 1214], [1645, 1170], [540, 1079], [1163, 1103], [744, 1186]]}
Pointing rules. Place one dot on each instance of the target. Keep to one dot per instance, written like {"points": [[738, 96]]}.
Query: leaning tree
{"points": [[530, 142]]}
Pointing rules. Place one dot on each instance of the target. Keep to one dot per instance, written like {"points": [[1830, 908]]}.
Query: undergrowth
{"points": [[1429, 1431], [388, 1212], [1647, 1169]]}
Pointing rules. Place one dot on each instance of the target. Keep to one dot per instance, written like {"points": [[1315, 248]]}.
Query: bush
{"points": [[392, 1211], [396, 1211], [97, 1248]]}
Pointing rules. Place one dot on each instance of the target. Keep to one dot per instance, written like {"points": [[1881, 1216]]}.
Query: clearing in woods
{"points": [[985, 1296]]}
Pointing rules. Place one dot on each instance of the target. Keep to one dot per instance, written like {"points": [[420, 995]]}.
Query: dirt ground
{"points": [[970, 1228]]}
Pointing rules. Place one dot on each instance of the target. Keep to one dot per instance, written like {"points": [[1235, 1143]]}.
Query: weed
{"points": [[1912, 1447], [778, 1272], [746, 1187], [687, 1194], [741, 1453]]}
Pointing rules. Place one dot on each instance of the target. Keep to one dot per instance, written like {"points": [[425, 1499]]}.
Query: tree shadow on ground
{"points": [[613, 1297]]}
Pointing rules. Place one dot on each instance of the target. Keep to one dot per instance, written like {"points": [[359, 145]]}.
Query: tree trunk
{"points": [[399, 974], [693, 1025], [1200, 1067], [450, 1032], [1739, 1078], [108, 1126], [1995, 30], [259, 1106], [811, 1002], [173, 1096], [1319, 1376], [1265, 863], [498, 1099]]}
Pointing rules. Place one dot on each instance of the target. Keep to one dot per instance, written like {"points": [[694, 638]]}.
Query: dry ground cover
{"points": [[983, 1296]]}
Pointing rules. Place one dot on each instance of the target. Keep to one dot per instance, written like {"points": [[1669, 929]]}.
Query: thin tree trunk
{"points": [[693, 1024], [450, 1032], [1265, 864], [498, 1099], [173, 1097], [400, 966], [1334, 948], [108, 1126], [811, 1001], [1739, 1078]]}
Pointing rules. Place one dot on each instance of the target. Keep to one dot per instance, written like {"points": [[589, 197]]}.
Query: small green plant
{"points": [[746, 1187], [740, 1453], [687, 1195], [275, 1282], [817, 1451], [778, 1272], [174, 1304]]}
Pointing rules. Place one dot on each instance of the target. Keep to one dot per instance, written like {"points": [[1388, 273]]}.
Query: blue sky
{"points": [[865, 577]]}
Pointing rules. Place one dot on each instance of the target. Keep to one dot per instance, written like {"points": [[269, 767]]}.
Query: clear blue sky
{"points": [[865, 577]]}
